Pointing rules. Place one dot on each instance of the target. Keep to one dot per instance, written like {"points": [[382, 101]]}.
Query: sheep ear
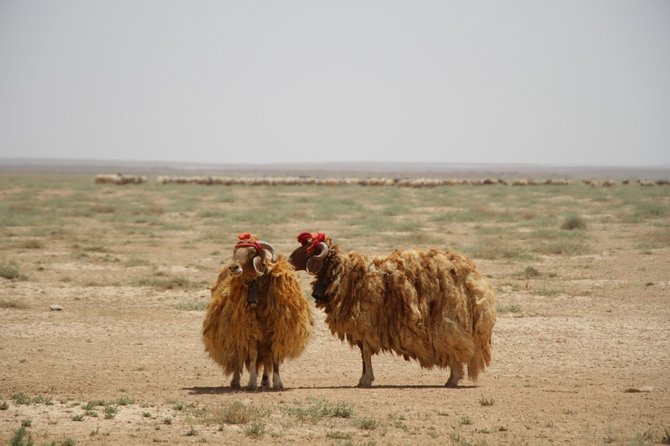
{"points": [[259, 266]]}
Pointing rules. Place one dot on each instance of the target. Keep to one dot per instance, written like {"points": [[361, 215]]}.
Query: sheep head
{"points": [[250, 256], [309, 256]]}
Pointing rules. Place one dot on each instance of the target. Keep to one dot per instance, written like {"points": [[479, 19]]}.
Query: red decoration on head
{"points": [[313, 240], [304, 237], [246, 239]]}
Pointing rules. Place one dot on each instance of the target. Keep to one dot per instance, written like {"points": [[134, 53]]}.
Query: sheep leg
{"points": [[368, 376], [456, 373], [276, 379], [253, 356], [267, 369], [235, 382], [265, 382]]}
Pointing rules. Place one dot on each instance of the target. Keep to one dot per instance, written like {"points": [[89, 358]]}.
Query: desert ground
{"points": [[581, 347]]}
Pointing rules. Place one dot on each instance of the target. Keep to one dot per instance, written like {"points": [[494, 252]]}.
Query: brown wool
{"points": [[431, 306], [282, 319]]}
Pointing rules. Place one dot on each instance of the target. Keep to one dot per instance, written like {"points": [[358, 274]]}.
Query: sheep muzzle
{"points": [[235, 269]]}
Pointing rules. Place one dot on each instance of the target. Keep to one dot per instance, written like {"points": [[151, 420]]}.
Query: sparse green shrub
{"points": [[321, 409], [238, 413], [192, 306], [167, 282], [255, 430], [492, 249], [665, 438], [573, 221], [32, 244], [548, 292], [40, 399], [179, 405], [4, 405], [366, 423], [79, 417], [21, 437], [9, 270], [93, 404], [124, 401], [530, 273], [647, 210], [26, 423], [566, 247], [21, 398], [486, 402], [339, 435], [137, 261], [513, 308], [110, 412]]}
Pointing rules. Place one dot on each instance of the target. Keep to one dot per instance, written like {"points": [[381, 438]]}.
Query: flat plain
{"points": [[581, 346]]}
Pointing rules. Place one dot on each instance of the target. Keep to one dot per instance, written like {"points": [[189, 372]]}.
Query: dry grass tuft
{"points": [[572, 222]]}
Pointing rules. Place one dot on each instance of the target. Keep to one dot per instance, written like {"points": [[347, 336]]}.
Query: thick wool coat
{"points": [[280, 324], [431, 306]]}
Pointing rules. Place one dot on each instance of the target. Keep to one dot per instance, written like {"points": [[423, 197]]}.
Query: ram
{"points": [[430, 306], [257, 315]]}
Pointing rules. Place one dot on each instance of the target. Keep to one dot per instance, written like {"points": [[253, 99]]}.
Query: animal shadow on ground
{"points": [[221, 390], [393, 386]]}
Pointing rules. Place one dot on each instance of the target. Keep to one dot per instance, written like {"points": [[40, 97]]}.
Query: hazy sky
{"points": [[580, 82]]}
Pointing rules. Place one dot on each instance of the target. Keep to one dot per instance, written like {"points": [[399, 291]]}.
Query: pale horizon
{"points": [[520, 83]]}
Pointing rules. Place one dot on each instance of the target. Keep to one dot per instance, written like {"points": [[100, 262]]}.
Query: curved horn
{"points": [[315, 262], [266, 245], [258, 265], [324, 251]]}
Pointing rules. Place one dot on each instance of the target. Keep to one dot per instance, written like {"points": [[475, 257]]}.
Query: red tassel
{"points": [[304, 238]]}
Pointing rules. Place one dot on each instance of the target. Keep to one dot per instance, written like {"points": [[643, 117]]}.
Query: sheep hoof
{"points": [[252, 387], [265, 382], [363, 383], [278, 387], [453, 382]]}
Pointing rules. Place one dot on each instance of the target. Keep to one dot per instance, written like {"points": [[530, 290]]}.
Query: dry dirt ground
{"points": [[581, 345]]}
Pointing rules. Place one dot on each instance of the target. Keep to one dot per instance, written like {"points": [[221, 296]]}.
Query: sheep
{"points": [[120, 179], [431, 306], [257, 314]]}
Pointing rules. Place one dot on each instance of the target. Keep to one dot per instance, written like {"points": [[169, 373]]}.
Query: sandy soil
{"points": [[585, 359]]}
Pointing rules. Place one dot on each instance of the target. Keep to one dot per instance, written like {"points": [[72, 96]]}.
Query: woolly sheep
{"points": [[431, 306], [257, 315]]}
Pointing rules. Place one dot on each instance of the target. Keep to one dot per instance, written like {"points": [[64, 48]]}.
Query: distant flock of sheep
{"points": [[431, 306], [374, 181]]}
